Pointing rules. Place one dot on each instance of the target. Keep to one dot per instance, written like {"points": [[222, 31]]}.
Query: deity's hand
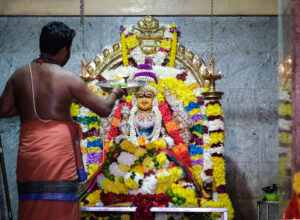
{"points": [[172, 100], [179, 111]]}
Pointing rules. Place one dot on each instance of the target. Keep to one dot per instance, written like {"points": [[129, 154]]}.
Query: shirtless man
{"points": [[53, 86], [42, 93]]}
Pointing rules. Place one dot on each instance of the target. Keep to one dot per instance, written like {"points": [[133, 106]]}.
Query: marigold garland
{"points": [[124, 50], [296, 183], [74, 109], [129, 147], [174, 46], [176, 87], [284, 109]]}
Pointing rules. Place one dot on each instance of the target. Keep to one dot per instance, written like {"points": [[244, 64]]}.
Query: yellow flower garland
{"points": [[296, 184], [127, 146], [114, 187], [189, 194], [285, 137], [129, 98], [74, 110], [93, 149], [219, 170], [92, 169], [94, 125], [284, 109], [216, 137], [166, 44], [160, 144], [93, 198], [131, 184], [161, 158], [176, 174], [124, 167], [124, 50], [138, 169], [93, 138], [131, 42], [214, 110], [139, 152], [148, 163], [173, 47], [176, 87], [224, 201]]}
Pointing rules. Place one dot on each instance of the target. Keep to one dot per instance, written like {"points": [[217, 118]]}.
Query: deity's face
{"points": [[144, 100]]}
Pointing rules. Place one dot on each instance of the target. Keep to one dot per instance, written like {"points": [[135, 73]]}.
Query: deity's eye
{"points": [[140, 96], [149, 95]]}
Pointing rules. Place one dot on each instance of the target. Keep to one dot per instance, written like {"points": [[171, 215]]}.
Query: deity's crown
{"points": [[145, 75]]}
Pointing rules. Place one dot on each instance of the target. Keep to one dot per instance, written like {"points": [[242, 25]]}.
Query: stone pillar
{"points": [[284, 104], [295, 86]]}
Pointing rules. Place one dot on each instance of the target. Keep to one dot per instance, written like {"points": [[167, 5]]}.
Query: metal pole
{"points": [[267, 211], [258, 211], [5, 182]]}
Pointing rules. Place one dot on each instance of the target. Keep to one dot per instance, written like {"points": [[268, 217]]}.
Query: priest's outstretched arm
{"points": [[86, 97]]}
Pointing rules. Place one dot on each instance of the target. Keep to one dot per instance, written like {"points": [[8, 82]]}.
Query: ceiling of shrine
{"points": [[137, 7]]}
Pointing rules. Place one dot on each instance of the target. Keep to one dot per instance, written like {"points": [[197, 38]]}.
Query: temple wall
{"points": [[245, 52]]}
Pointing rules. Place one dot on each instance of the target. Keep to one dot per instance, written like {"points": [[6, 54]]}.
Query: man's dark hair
{"points": [[55, 35]]}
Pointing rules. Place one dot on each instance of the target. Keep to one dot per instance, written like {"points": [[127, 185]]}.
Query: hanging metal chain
{"points": [[82, 12], [211, 61], [211, 28]]}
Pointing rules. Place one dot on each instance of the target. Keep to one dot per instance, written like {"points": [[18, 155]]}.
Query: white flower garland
{"points": [[215, 125], [169, 141], [135, 191], [218, 150], [115, 170], [149, 185], [188, 185], [207, 164], [284, 96], [83, 111], [137, 178], [126, 158], [157, 126], [160, 71], [285, 124], [164, 172], [166, 164], [215, 197], [115, 73], [159, 57], [138, 55], [84, 159]]}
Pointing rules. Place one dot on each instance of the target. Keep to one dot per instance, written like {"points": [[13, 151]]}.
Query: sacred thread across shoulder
{"points": [[33, 98]]}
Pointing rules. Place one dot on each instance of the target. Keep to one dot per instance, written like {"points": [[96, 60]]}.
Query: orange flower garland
{"points": [[180, 148], [113, 131]]}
